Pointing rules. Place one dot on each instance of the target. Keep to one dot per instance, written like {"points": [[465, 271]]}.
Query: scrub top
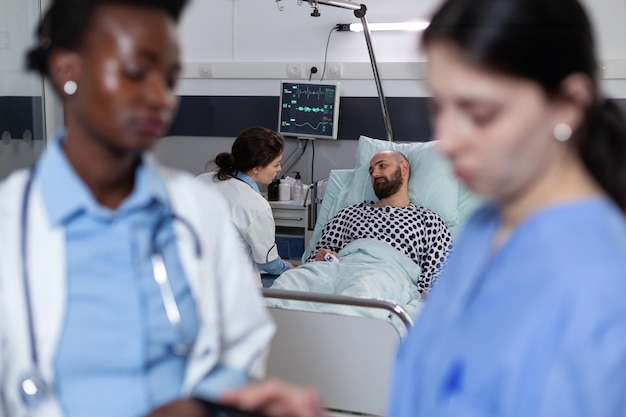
{"points": [[252, 216], [536, 327]]}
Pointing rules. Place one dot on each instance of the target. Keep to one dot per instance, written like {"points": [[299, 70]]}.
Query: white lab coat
{"points": [[252, 216], [235, 329]]}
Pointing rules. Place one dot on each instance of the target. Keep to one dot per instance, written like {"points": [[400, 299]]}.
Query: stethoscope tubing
{"points": [[33, 386], [25, 273]]}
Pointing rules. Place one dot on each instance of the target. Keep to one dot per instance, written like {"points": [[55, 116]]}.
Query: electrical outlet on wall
{"points": [[294, 70], [315, 68], [333, 71], [205, 70]]}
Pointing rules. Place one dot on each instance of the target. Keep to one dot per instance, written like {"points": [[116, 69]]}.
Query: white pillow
{"points": [[432, 183]]}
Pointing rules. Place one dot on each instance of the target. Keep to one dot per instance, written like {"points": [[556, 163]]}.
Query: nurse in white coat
{"points": [[254, 159]]}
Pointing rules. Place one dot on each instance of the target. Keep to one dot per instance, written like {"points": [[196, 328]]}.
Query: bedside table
{"points": [[292, 228]]}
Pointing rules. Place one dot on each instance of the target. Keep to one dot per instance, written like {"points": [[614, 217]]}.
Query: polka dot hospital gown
{"points": [[416, 231]]}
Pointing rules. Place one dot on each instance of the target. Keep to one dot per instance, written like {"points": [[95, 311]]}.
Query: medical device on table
{"points": [[33, 387]]}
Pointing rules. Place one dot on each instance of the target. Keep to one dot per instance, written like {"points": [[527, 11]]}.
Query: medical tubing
{"points": [[160, 276], [267, 255], [326, 53], [174, 217], [24, 243]]}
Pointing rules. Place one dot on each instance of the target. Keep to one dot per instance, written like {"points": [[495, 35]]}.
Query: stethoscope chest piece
{"points": [[33, 389]]}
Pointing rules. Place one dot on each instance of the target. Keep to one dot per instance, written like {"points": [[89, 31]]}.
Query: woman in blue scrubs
{"points": [[529, 318]]}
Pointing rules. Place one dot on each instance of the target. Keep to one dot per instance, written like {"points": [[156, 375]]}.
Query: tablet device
{"points": [[215, 409]]}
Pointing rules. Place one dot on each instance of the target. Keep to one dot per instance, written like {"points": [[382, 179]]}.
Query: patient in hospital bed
{"points": [[417, 232], [391, 249]]}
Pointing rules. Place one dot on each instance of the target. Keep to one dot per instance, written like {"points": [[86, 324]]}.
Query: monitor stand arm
{"points": [[360, 11]]}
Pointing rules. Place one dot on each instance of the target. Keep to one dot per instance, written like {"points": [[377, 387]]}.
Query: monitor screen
{"points": [[309, 109]]}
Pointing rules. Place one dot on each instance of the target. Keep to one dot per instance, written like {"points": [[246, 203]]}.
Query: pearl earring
{"points": [[562, 132], [70, 87]]}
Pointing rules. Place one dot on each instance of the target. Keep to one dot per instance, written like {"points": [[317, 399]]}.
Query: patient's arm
{"points": [[319, 256], [434, 253], [335, 236]]}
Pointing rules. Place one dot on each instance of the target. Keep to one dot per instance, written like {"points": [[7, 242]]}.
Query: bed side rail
{"points": [[347, 358], [393, 308]]}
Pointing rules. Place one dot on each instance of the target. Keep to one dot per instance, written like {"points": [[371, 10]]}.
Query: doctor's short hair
{"points": [[66, 22], [254, 147]]}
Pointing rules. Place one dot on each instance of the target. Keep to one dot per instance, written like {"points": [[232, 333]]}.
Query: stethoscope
{"points": [[32, 386]]}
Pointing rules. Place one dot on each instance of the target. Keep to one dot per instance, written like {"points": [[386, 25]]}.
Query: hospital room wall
{"points": [[245, 47], [21, 104]]}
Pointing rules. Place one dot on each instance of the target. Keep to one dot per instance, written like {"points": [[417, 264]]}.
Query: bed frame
{"points": [[348, 359]]}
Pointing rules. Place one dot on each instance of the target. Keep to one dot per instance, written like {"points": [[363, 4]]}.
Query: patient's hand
{"points": [[319, 256], [275, 398]]}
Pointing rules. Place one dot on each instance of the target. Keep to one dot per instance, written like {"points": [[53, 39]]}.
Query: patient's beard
{"points": [[389, 186]]}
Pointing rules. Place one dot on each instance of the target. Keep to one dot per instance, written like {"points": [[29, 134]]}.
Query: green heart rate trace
{"points": [[309, 109]]}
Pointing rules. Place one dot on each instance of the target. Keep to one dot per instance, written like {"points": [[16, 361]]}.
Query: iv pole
{"points": [[360, 11]]}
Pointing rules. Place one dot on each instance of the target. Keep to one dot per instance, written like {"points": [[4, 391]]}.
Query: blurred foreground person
{"points": [[121, 290]]}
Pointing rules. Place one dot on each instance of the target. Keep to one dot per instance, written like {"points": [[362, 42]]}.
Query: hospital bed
{"points": [[349, 358]]}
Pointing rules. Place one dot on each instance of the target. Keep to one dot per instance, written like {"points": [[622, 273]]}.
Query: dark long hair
{"points": [[66, 21], [544, 41], [254, 147]]}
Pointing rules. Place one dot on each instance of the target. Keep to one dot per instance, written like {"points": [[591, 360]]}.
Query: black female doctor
{"points": [[121, 279]]}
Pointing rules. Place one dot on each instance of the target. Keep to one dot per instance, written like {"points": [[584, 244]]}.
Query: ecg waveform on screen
{"points": [[317, 127], [308, 109], [320, 93]]}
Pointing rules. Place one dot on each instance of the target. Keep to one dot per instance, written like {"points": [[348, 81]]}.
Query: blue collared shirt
{"points": [[114, 355], [242, 176]]}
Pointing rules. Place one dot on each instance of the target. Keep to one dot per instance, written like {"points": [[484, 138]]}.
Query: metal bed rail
{"points": [[393, 308]]}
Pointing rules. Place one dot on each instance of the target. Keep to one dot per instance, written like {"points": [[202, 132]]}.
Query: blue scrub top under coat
{"points": [[241, 176], [534, 328], [277, 266], [113, 357]]}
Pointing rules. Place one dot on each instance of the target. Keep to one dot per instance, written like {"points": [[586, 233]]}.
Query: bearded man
{"points": [[416, 231]]}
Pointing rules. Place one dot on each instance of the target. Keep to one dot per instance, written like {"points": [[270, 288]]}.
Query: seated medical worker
{"points": [[121, 290], [416, 231], [254, 159]]}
